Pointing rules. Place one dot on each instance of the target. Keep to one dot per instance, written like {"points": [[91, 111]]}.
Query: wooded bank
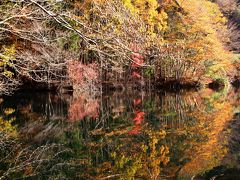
{"points": [[90, 43]]}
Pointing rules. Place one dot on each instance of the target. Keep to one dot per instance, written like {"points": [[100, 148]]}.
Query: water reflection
{"points": [[125, 135], [84, 105]]}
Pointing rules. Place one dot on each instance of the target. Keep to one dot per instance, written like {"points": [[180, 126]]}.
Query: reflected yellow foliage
{"points": [[210, 152], [134, 161], [6, 126], [182, 135], [9, 111], [204, 144]]}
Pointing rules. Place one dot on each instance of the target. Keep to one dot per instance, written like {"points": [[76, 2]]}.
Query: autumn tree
{"points": [[173, 39]]}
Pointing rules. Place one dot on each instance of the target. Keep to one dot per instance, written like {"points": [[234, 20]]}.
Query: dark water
{"points": [[121, 135]]}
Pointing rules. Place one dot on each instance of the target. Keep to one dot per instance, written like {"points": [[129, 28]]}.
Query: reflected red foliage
{"points": [[82, 107], [136, 130], [138, 118]]}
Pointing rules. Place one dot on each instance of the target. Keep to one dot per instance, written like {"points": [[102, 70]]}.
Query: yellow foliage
{"points": [[7, 55], [150, 12], [9, 111], [6, 58], [205, 27], [6, 121], [7, 127]]}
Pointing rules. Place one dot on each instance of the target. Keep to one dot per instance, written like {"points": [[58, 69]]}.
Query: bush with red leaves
{"points": [[83, 76]]}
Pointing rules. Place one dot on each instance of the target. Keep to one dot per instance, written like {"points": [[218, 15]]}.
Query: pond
{"points": [[121, 135]]}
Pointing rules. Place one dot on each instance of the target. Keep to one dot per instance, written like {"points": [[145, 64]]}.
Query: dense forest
{"points": [[120, 89], [87, 44]]}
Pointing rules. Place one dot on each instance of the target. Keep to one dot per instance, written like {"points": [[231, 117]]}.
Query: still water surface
{"points": [[122, 135]]}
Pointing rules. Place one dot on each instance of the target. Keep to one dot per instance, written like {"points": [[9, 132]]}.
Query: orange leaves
{"points": [[207, 35]]}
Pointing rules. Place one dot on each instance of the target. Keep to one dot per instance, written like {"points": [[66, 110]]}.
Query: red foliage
{"points": [[137, 60], [136, 57], [137, 63], [83, 107], [82, 74], [134, 47], [136, 75], [137, 102]]}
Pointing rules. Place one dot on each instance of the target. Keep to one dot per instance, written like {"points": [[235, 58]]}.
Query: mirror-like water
{"points": [[121, 135]]}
